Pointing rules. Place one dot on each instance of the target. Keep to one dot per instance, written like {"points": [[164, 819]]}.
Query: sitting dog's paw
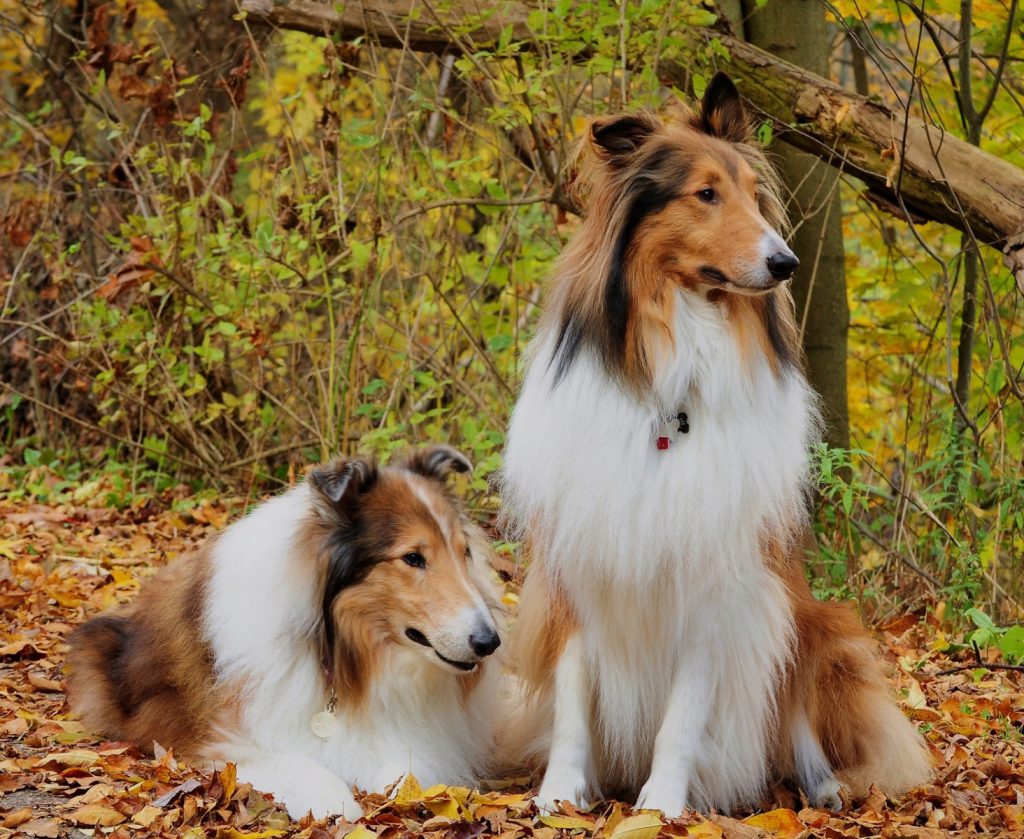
{"points": [[562, 786], [668, 798], [826, 796]]}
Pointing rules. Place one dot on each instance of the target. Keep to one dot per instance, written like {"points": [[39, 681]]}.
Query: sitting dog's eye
{"points": [[707, 195], [414, 559]]}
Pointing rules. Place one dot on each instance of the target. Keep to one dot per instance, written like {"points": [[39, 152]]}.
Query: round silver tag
{"points": [[324, 725]]}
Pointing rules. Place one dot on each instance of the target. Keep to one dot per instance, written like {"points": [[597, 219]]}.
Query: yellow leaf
{"points": [[704, 828], [74, 757], [841, 112], [444, 806], [781, 823], [613, 819], [567, 822], [146, 816], [361, 831], [915, 696], [410, 791], [228, 779], [872, 559], [231, 833], [642, 826], [96, 815], [507, 799]]}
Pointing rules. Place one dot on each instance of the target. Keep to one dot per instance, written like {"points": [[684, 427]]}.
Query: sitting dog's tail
{"points": [[841, 713]]}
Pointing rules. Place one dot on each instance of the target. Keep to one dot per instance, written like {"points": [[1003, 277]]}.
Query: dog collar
{"points": [[670, 429]]}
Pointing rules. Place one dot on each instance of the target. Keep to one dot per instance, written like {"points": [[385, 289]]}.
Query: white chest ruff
{"points": [[659, 550]]}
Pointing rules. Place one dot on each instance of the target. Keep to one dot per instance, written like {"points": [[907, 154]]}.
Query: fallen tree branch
{"points": [[942, 178]]}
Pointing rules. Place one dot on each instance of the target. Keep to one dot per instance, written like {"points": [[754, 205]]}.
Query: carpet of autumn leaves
{"points": [[61, 564]]}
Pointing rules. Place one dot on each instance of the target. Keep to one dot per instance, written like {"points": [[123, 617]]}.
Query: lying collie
{"points": [[657, 472], [336, 637]]}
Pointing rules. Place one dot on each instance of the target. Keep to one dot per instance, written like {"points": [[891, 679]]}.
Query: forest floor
{"points": [[60, 564]]}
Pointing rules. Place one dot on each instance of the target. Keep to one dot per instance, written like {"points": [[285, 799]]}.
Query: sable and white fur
{"points": [[225, 655], [667, 635]]}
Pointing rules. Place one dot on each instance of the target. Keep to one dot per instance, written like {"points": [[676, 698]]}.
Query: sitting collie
{"points": [[336, 637], [657, 471]]}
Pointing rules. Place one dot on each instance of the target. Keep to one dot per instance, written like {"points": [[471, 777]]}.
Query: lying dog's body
{"points": [[358, 604], [657, 469]]}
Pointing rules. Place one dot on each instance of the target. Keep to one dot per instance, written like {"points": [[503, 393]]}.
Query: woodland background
{"points": [[228, 250], [237, 236]]}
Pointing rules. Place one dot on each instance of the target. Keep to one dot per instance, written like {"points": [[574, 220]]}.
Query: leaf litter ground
{"points": [[62, 564]]}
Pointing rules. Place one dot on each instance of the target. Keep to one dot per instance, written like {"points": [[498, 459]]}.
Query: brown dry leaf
{"points": [[733, 829], [17, 817], [96, 815], [43, 828], [147, 815]]}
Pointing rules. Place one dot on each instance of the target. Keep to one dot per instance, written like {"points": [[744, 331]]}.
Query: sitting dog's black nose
{"points": [[485, 642], [781, 265]]}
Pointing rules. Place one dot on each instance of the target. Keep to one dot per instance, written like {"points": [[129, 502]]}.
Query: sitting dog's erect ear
{"points": [[721, 111], [616, 138], [437, 462], [340, 482]]}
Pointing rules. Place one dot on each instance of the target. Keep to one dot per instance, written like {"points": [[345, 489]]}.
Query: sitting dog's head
{"points": [[402, 565]]}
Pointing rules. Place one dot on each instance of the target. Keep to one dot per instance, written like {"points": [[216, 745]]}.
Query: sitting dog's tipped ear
{"points": [[340, 482], [437, 462], [616, 138]]}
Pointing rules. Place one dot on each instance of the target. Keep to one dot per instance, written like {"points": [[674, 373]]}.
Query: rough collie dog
{"points": [[657, 471], [335, 637]]}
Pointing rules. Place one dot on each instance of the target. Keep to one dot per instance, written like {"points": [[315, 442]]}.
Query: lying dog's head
{"points": [[402, 565]]}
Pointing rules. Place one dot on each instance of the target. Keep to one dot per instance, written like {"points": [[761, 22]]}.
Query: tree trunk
{"points": [[796, 31]]}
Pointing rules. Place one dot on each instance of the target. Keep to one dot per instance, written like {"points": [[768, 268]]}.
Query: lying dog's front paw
{"points": [[826, 796], [323, 801]]}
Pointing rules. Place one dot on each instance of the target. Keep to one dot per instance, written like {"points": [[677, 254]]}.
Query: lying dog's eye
{"points": [[708, 195], [414, 559]]}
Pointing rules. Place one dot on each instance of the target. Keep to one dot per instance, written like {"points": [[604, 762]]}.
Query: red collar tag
{"points": [[670, 430]]}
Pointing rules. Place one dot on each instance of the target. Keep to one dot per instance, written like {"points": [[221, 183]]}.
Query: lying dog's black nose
{"points": [[781, 265], [485, 642]]}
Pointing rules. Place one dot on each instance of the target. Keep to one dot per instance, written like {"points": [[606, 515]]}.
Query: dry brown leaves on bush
{"points": [[59, 565]]}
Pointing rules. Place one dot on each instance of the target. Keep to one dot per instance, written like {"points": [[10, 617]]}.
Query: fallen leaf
{"points": [[567, 822], [17, 817], [640, 826], [409, 793], [43, 828], [74, 757], [180, 789], [147, 815], [783, 824], [96, 815], [733, 829], [40, 682]]}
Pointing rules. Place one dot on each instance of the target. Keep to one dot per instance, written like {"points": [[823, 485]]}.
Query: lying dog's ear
{"points": [[437, 462], [721, 111], [340, 482], [616, 138]]}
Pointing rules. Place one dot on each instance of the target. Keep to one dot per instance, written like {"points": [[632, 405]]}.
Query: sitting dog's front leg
{"points": [[570, 759], [301, 784], [679, 738]]}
